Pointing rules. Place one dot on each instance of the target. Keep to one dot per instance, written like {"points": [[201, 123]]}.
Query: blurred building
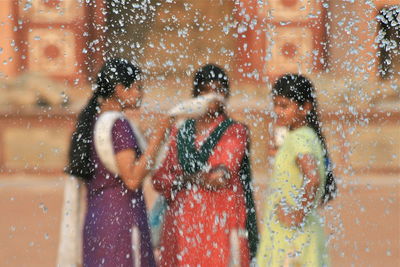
{"points": [[50, 51]]}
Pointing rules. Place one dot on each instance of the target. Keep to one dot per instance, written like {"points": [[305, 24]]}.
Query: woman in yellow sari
{"points": [[292, 231]]}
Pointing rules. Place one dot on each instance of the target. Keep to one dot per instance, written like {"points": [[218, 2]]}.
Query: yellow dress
{"points": [[297, 246]]}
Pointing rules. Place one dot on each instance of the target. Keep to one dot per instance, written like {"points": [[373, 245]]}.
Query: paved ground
{"points": [[29, 222], [364, 221]]}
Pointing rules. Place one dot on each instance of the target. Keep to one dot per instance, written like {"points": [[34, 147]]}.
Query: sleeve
{"points": [[165, 176], [231, 149], [123, 137]]}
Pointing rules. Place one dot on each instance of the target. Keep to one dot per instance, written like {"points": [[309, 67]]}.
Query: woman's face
{"points": [[129, 97], [212, 87], [288, 113]]}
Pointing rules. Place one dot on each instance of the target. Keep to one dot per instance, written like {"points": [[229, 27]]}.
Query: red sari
{"points": [[200, 225]]}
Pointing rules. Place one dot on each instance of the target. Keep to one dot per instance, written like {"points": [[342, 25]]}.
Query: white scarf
{"points": [[103, 138]]}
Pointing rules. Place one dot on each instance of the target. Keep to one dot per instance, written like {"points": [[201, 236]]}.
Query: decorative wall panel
{"points": [[53, 35], [291, 50], [295, 37], [296, 10], [51, 11], [280, 36], [52, 51]]}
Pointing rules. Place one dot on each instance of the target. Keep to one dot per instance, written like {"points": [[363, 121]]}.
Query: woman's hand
{"points": [[213, 180], [290, 218], [216, 178], [164, 123], [191, 179], [271, 151]]}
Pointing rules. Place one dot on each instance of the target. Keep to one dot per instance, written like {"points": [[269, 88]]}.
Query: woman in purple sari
{"points": [[116, 232]]}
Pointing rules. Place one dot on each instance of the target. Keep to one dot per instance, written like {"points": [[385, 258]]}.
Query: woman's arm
{"points": [[132, 170], [309, 167], [167, 176]]}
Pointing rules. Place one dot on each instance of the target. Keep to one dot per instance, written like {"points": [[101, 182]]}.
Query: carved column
{"points": [[55, 37]]}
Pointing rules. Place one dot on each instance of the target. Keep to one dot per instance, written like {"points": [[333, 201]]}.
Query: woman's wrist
{"points": [[289, 215]]}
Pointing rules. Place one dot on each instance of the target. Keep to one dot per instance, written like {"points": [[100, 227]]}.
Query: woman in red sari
{"points": [[210, 219]]}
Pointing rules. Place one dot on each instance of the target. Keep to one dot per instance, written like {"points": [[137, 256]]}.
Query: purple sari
{"points": [[116, 231]]}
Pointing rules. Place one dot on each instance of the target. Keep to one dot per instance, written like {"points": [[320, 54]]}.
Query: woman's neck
{"points": [[297, 125], [110, 104], [204, 122]]}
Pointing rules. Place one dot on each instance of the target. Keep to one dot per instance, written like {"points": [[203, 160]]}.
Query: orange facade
{"points": [[65, 39]]}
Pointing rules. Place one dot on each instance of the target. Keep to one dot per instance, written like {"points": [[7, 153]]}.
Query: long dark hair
{"points": [[114, 72], [209, 73], [300, 90]]}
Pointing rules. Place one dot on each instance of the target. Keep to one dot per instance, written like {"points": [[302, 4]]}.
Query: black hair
{"points": [[300, 90], [114, 72], [209, 73]]}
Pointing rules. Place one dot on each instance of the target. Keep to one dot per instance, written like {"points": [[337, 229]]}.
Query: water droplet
{"points": [[27, 6], [388, 252], [43, 207]]}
